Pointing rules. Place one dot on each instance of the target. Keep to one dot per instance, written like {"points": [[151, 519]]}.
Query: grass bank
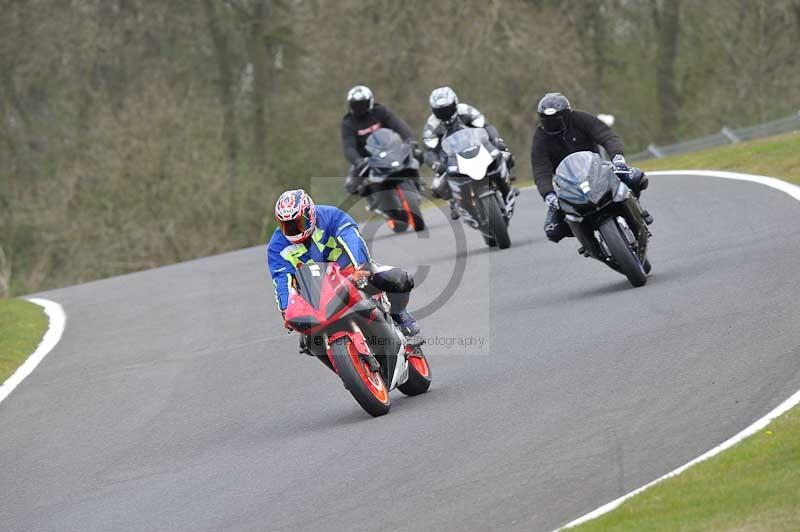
{"points": [[777, 156], [755, 485], [22, 325]]}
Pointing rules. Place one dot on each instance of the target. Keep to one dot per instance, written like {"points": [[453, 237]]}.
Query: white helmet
{"points": [[360, 100], [444, 104]]}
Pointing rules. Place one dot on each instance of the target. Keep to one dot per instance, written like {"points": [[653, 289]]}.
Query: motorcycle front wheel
{"points": [[621, 251], [366, 386], [409, 199], [494, 217]]}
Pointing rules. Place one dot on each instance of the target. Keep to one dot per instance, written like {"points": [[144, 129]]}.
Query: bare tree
{"points": [[666, 18], [225, 85]]}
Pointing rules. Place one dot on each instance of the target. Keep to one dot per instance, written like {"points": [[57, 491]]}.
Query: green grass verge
{"points": [[755, 485], [22, 325], [777, 156]]}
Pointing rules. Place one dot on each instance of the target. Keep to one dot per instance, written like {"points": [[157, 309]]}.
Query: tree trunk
{"points": [[225, 85], [666, 16], [259, 59]]}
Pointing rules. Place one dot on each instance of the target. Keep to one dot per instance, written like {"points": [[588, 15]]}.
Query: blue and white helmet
{"points": [[360, 100], [444, 104]]}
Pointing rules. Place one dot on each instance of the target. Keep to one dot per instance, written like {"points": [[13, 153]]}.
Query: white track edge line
{"points": [[57, 319], [792, 190], [783, 186]]}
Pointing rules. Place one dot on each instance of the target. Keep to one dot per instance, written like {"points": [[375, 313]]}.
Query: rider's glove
{"points": [[415, 151], [360, 278], [438, 167], [619, 163], [552, 201]]}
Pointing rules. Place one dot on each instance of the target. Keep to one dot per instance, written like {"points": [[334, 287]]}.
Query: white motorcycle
{"points": [[475, 168]]}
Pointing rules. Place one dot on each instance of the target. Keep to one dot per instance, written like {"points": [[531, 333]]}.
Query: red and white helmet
{"points": [[296, 214]]}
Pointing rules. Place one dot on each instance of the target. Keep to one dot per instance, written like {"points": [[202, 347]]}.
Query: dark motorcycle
{"points": [[603, 214], [474, 168], [353, 334], [392, 182]]}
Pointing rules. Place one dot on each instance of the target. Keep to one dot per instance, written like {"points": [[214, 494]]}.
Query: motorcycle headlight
{"points": [[303, 323]]}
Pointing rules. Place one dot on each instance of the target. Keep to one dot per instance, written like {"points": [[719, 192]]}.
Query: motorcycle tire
{"points": [[623, 255], [367, 387], [398, 225], [410, 199], [497, 224], [419, 376]]}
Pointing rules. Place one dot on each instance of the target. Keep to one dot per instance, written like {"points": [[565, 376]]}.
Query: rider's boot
{"points": [[454, 215], [409, 326]]}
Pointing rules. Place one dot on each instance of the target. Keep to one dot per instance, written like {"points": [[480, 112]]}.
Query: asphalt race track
{"points": [[176, 401]]}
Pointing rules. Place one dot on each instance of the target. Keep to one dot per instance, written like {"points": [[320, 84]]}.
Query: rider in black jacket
{"points": [[563, 131], [364, 116]]}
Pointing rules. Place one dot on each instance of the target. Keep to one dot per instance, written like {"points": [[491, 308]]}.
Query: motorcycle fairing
{"points": [[388, 154], [474, 164], [319, 297], [582, 181]]}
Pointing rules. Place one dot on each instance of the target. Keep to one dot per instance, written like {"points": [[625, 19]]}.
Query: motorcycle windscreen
{"points": [[583, 177], [388, 152], [470, 150], [463, 139], [309, 278]]}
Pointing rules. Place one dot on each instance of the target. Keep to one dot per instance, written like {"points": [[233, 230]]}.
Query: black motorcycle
{"points": [[475, 167], [391, 181], [604, 214]]}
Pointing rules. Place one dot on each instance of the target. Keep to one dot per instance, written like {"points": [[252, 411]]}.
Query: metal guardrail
{"points": [[725, 136]]}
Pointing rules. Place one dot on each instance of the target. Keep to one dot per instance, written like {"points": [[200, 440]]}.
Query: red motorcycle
{"points": [[352, 333]]}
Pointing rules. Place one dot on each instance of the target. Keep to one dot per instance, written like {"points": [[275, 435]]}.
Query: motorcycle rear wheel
{"points": [[419, 375], [367, 387]]}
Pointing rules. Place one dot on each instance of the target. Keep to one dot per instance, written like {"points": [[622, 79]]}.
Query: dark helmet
{"points": [[360, 100], [553, 111], [444, 104]]}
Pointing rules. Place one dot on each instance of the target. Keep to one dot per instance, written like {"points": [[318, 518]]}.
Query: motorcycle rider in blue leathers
{"points": [[310, 233]]}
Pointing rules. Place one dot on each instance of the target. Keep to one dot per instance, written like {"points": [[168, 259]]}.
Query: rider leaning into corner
{"points": [[448, 116], [309, 233], [365, 116], [562, 131]]}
